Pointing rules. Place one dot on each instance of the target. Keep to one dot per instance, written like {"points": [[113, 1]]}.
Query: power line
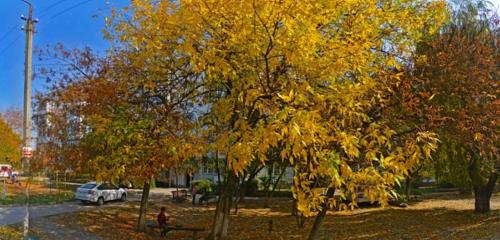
{"points": [[8, 32], [50, 6], [10, 45], [68, 9]]}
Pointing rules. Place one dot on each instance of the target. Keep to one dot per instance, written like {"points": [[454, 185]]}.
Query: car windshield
{"points": [[89, 186]]}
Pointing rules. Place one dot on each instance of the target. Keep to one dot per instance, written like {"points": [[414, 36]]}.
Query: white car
{"points": [[100, 193]]}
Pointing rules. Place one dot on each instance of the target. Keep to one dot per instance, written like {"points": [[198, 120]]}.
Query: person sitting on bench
{"points": [[164, 220]]}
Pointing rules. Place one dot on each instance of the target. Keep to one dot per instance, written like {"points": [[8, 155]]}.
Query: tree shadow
{"points": [[275, 222]]}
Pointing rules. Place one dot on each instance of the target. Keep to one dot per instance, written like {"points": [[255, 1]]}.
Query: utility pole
{"points": [[29, 28]]}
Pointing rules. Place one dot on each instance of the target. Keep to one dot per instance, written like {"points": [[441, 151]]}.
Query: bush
{"points": [[252, 187], [203, 185], [263, 180]]}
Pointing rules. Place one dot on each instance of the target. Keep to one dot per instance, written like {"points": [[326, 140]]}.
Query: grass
{"points": [[10, 233], [39, 195], [441, 218], [38, 199], [15, 233]]}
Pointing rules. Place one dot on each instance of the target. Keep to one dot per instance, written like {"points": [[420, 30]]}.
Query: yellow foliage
{"points": [[304, 76]]}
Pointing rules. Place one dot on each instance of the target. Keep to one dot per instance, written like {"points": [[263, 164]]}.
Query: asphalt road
{"points": [[13, 215]]}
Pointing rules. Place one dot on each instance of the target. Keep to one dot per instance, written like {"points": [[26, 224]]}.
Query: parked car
{"points": [[100, 193], [4, 170]]}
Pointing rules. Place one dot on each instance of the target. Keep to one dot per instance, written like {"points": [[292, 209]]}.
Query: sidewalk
{"points": [[12, 215]]}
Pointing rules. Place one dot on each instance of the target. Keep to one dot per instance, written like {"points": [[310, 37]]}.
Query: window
{"points": [[207, 169], [89, 186], [106, 186], [277, 170]]}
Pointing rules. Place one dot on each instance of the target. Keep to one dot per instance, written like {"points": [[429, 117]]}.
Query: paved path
{"points": [[12, 215]]}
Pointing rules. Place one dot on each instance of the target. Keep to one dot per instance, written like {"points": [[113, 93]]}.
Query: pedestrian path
{"points": [[13, 215]]}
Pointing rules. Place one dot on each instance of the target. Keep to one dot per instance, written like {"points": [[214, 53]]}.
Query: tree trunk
{"points": [[245, 185], [220, 223], [270, 171], [217, 167], [409, 182], [408, 187], [141, 224], [300, 219], [482, 188], [240, 193], [313, 235], [294, 207], [275, 184], [482, 195]]}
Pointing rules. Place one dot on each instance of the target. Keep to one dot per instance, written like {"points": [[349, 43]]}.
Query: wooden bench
{"points": [[164, 230]]}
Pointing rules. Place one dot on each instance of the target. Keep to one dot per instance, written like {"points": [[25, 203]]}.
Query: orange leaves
{"points": [[10, 143], [453, 81]]}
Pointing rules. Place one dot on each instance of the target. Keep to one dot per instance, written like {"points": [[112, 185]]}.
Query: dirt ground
{"points": [[437, 218]]}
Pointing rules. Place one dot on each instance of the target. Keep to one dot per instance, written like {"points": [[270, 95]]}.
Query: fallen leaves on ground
{"points": [[428, 219], [10, 233], [15, 232]]}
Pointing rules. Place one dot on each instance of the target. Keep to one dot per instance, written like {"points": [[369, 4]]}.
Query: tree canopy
{"points": [[309, 77], [10, 144], [452, 90]]}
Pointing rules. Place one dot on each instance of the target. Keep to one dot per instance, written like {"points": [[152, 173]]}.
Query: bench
{"points": [[206, 198], [164, 230]]}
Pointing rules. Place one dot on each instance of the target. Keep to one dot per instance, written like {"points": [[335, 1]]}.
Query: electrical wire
{"points": [[8, 32], [68, 9], [10, 45], [49, 7]]}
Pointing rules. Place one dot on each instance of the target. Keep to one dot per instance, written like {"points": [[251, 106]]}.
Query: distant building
{"points": [[55, 129], [177, 177]]}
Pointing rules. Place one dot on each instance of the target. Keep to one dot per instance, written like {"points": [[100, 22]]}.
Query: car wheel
{"points": [[123, 198], [100, 201]]}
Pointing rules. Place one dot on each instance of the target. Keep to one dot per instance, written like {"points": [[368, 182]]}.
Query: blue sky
{"points": [[75, 23], [77, 27]]}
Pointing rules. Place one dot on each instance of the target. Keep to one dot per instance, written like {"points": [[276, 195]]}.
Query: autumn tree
{"points": [[452, 89], [132, 113], [11, 130], [10, 144], [308, 76], [57, 117], [14, 117]]}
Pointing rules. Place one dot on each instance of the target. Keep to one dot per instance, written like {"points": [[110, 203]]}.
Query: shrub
{"points": [[263, 181], [203, 185], [252, 187]]}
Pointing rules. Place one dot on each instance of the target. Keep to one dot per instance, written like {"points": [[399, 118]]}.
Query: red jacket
{"points": [[162, 219]]}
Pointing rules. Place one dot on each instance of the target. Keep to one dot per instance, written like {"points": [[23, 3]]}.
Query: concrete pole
{"points": [[29, 28], [27, 78]]}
